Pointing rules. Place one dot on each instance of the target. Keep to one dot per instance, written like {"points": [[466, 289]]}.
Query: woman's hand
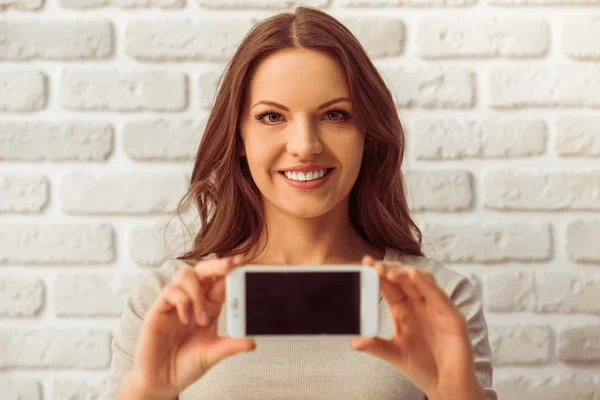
{"points": [[176, 347], [431, 344]]}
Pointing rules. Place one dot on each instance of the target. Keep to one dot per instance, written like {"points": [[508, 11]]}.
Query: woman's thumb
{"points": [[379, 347], [225, 347]]}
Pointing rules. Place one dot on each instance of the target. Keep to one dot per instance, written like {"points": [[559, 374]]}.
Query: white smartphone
{"points": [[298, 301]]}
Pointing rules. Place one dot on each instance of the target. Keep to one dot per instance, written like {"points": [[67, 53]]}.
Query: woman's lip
{"points": [[307, 185], [326, 169]]}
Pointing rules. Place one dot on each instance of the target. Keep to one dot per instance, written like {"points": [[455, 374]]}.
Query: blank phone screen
{"points": [[302, 303]]}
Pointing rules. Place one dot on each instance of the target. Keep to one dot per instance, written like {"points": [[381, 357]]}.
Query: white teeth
{"points": [[301, 176]]}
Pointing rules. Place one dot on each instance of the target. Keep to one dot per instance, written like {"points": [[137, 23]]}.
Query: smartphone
{"points": [[297, 301]]}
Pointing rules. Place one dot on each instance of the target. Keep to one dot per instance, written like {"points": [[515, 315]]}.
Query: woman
{"points": [[301, 94]]}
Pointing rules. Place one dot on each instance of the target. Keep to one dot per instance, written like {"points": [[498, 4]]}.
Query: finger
{"points": [[379, 347], [215, 268], [187, 279], [174, 297], [426, 285], [368, 260], [403, 279], [225, 347], [392, 292], [216, 293], [378, 266]]}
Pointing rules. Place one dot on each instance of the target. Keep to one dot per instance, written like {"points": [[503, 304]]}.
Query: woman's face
{"points": [[297, 131]]}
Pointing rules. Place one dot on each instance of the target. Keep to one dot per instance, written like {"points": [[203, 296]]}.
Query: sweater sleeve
{"points": [[468, 300], [123, 345]]}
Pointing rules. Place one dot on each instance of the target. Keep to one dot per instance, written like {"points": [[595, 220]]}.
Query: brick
{"points": [[482, 37], [567, 293], [56, 244], [453, 138], [381, 36], [21, 4], [162, 139], [151, 245], [582, 241], [23, 193], [430, 87], [528, 344], [408, 3], [261, 4], [20, 296], [123, 193], [55, 141], [86, 4], [71, 389], [546, 86], [77, 295], [439, 190], [20, 388], [203, 39], [55, 348], [487, 242], [578, 136], [525, 190], [579, 343], [123, 90], [207, 84], [548, 387], [55, 40], [512, 291], [580, 38], [146, 245], [22, 91]]}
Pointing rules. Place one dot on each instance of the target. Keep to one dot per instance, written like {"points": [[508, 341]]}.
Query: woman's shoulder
{"points": [[170, 266], [449, 280], [154, 280]]}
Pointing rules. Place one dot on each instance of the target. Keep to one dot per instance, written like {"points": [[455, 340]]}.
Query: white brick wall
{"points": [[103, 103]]}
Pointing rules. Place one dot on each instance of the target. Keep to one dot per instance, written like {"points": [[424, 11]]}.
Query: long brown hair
{"points": [[227, 199]]}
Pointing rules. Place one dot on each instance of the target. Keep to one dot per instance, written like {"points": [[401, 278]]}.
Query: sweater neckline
{"points": [[387, 256]]}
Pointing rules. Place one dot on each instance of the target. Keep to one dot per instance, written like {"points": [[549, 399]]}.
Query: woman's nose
{"points": [[304, 140]]}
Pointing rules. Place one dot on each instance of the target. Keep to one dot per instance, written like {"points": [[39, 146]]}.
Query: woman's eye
{"points": [[269, 115], [273, 117], [334, 113]]}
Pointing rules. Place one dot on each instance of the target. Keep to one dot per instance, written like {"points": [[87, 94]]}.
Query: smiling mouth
{"points": [[327, 171]]}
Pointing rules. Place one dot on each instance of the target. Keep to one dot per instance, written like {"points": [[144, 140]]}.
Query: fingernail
{"points": [[204, 320], [356, 347]]}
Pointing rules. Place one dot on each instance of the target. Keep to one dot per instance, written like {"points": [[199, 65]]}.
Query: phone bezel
{"points": [[236, 294]]}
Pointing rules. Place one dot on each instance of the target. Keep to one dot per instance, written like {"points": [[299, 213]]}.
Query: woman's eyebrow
{"points": [[327, 103]]}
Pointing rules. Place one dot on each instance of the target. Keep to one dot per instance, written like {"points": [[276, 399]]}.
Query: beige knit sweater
{"points": [[302, 369]]}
